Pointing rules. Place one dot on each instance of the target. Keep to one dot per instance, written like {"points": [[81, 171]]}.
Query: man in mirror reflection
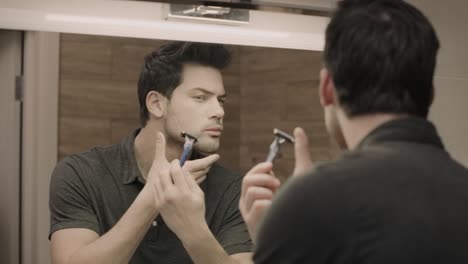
{"points": [[132, 202], [396, 195]]}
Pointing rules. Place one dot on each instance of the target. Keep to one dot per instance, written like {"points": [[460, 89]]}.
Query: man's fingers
{"points": [[263, 167], [255, 193], [260, 180], [255, 216], [200, 179], [301, 152], [191, 183], [158, 188], [178, 175], [199, 164], [160, 149], [258, 209], [200, 173], [165, 179]]}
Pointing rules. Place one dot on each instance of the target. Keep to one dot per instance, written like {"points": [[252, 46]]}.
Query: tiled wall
{"points": [[267, 88], [450, 108]]}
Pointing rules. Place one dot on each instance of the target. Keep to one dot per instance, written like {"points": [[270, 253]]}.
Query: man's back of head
{"points": [[381, 55]]}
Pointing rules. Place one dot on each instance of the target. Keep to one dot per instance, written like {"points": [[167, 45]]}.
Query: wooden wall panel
{"points": [[85, 58], [81, 133]]}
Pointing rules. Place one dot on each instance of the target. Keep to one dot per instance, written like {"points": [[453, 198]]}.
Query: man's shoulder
{"points": [[89, 162], [360, 162], [380, 167], [348, 171]]}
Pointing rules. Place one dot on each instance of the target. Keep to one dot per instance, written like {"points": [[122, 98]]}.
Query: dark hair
{"points": [[381, 55], [162, 70]]}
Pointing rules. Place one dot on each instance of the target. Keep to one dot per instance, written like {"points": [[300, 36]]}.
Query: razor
{"points": [[188, 145], [280, 138]]}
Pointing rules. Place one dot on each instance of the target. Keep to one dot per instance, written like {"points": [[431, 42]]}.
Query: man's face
{"points": [[197, 108]]}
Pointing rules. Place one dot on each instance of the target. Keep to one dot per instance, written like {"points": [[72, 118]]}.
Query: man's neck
{"points": [[355, 129], [145, 144]]}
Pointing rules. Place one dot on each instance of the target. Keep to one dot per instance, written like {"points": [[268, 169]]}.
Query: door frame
{"points": [[39, 140], [10, 144]]}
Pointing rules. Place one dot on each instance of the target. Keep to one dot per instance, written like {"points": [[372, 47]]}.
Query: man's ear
{"points": [[156, 104], [326, 88]]}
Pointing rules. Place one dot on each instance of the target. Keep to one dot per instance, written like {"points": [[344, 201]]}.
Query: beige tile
{"points": [[449, 113], [450, 20]]}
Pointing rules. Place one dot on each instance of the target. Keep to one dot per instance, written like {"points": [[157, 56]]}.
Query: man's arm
{"points": [[204, 248], [80, 245]]}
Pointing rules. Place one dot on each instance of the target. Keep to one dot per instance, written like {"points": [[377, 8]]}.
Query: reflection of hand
{"points": [[177, 196], [180, 201], [200, 167], [258, 188], [301, 153], [159, 165]]}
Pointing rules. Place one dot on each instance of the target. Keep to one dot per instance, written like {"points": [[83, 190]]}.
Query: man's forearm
{"points": [[203, 247], [119, 244]]}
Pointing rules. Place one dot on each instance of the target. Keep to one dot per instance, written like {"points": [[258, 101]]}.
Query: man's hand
{"points": [[259, 185], [301, 153], [258, 188], [180, 201], [199, 168], [177, 196]]}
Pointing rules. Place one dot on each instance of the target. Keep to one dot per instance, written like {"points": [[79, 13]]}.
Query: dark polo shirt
{"points": [[399, 198], [94, 189]]}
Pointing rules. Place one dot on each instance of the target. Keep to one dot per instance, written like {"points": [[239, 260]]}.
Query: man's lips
{"points": [[216, 129]]}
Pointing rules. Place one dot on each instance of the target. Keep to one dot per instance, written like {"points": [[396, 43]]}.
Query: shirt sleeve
{"points": [[234, 236], [305, 224], [69, 203]]}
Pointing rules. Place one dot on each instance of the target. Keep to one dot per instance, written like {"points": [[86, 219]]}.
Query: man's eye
{"points": [[222, 101], [200, 97]]}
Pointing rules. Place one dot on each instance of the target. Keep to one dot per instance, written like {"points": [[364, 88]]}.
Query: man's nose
{"points": [[218, 110]]}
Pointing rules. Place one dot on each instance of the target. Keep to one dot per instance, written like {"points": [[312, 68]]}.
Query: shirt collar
{"points": [[130, 171], [410, 129]]}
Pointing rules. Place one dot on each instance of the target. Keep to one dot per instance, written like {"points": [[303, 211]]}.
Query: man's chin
{"points": [[207, 148]]}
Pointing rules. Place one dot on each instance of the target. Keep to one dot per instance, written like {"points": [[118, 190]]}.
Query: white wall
{"points": [[450, 109]]}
